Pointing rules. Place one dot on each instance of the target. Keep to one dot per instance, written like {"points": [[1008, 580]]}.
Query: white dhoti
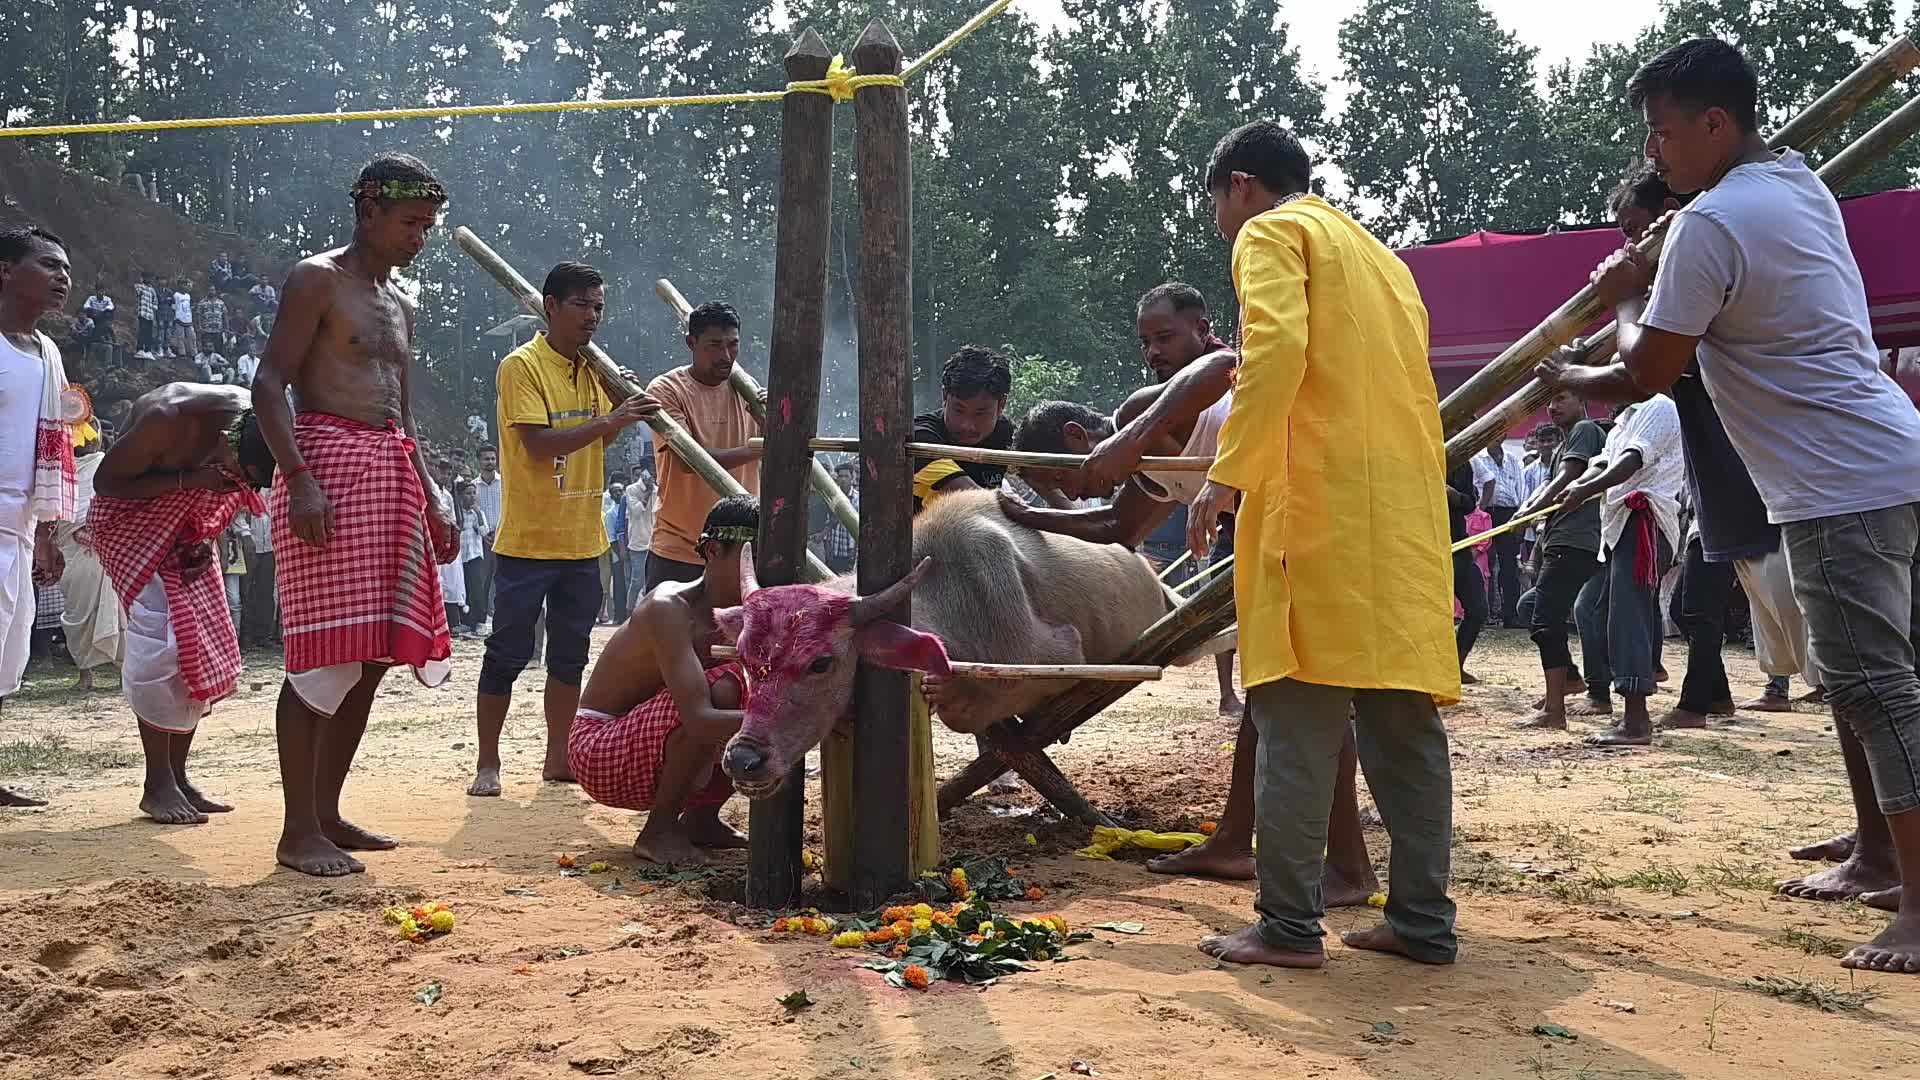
{"points": [[150, 675], [16, 606], [1779, 632], [95, 631]]}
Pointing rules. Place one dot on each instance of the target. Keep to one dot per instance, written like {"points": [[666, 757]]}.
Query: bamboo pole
{"points": [[749, 391], [1885, 137], [1832, 109], [1175, 565], [1015, 458], [617, 385], [969, 669], [1204, 576]]}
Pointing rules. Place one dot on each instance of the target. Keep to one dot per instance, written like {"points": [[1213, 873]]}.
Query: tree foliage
{"points": [[1057, 171]]}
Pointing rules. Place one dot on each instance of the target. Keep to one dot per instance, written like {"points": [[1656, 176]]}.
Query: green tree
{"points": [[1444, 130]]}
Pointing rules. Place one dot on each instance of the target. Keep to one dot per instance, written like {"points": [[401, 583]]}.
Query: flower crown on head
{"points": [[395, 190], [730, 534]]}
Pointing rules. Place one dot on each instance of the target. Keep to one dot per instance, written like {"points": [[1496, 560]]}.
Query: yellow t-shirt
{"points": [[549, 508], [1343, 577]]}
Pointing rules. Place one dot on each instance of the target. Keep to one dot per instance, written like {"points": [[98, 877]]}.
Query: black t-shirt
{"points": [[1732, 519], [1580, 528], [930, 473]]}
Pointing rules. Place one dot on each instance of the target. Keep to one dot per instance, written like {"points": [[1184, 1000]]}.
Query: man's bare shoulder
{"points": [[179, 398]]}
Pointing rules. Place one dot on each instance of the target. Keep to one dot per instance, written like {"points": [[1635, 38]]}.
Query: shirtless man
{"points": [[358, 524], [1180, 417], [191, 457], [656, 713]]}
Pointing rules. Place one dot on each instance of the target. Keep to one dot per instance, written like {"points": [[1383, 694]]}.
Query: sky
{"points": [[1561, 31]]}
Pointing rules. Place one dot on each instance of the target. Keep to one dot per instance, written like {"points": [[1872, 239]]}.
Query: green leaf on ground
{"points": [[796, 1001], [430, 993]]}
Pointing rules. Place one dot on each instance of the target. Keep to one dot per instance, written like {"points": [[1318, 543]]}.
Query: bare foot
{"points": [[1885, 899], [706, 830], [1247, 947], [1339, 889], [667, 845], [1681, 719], [1232, 862], [1543, 721], [10, 797], [486, 782], [1382, 939], [1836, 849], [202, 802], [1815, 696], [1621, 736], [1577, 686], [168, 806], [1232, 706], [1767, 703], [1722, 708], [316, 855], [1659, 674], [1896, 951], [1591, 707], [350, 837], [1843, 882], [554, 772]]}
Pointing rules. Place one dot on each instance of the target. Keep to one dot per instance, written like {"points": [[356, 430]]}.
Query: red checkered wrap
{"points": [[617, 761], [138, 538], [373, 592]]}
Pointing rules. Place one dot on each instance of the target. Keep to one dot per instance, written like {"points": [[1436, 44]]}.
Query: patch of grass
{"points": [[51, 753], [1725, 875], [1483, 872], [1557, 838], [1572, 891], [1664, 879], [1723, 755], [1826, 998], [1647, 797], [1808, 942]]}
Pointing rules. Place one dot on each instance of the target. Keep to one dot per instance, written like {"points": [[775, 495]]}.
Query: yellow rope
{"points": [[1474, 541], [839, 84]]}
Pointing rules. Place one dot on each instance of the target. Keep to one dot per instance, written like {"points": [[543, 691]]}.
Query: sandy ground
{"points": [[1624, 897]]}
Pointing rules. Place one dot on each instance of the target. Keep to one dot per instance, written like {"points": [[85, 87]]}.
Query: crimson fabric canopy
{"points": [[1485, 290]]}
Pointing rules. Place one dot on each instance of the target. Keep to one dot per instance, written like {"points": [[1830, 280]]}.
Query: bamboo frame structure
{"points": [[750, 393], [1885, 137], [1833, 108], [1016, 458], [968, 669], [618, 386]]}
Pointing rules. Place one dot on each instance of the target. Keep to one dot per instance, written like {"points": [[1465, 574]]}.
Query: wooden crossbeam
{"points": [[1017, 458]]}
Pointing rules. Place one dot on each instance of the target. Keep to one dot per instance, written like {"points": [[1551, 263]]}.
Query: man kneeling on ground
{"points": [[656, 712]]}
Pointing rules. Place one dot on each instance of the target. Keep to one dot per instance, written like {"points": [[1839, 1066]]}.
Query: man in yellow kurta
{"points": [[1343, 582]]}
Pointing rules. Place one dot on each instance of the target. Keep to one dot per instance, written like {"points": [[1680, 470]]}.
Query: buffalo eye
{"points": [[820, 664]]}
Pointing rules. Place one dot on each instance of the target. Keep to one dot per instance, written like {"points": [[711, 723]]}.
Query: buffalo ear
{"points": [[730, 620], [891, 645]]}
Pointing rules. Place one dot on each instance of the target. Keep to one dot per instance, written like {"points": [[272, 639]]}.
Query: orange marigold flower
{"points": [[780, 925], [943, 918], [1036, 893], [899, 951], [895, 914], [563, 859], [882, 936], [903, 927], [916, 976], [1207, 827]]}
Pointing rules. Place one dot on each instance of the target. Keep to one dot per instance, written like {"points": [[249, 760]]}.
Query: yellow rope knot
{"points": [[842, 81]]}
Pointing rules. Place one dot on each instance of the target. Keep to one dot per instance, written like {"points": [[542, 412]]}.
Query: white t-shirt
{"points": [[100, 303], [182, 308], [248, 366], [21, 376], [1182, 487], [487, 494], [642, 501], [1759, 269], [1653, 428]]}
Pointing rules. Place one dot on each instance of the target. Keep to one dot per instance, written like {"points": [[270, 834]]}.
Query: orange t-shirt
{"points": [[718, 420]]}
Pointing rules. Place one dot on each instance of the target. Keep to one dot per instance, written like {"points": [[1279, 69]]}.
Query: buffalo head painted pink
{"points": [[800, 645]]}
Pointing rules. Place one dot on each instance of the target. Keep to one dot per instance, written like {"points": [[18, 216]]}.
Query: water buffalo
{"points": [[984, 589]]}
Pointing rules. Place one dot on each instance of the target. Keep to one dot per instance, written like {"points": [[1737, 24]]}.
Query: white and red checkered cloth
{"points": [[617, 759], [138, 538], [373, 592]]}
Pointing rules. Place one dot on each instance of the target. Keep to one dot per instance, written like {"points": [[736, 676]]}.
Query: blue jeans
{"points": [[1620, 626], [569, 589], [1854, 581]]}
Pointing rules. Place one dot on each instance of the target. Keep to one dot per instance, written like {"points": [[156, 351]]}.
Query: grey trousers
{"points": [[1854, 577], [1403, 750]]}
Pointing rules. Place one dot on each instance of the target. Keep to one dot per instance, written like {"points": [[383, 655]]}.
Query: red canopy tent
{"points": [[1485, 290]]}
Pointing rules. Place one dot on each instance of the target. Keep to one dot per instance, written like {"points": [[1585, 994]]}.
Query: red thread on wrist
{"points": [[297, 470]]}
